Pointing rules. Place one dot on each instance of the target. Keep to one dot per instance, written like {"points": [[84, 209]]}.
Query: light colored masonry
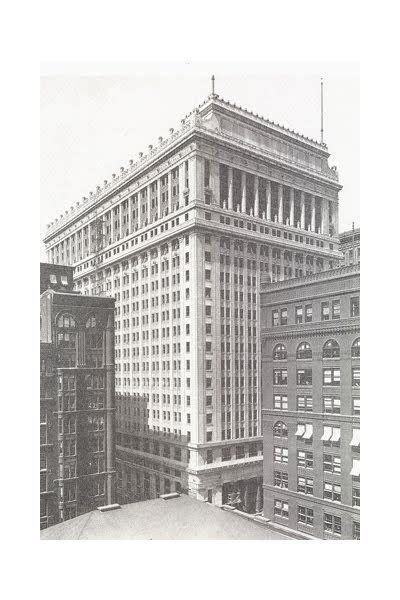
{"points": [[182, 237]]}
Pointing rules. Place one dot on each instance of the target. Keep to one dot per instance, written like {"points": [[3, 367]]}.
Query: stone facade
{"points": [[187, 233]]}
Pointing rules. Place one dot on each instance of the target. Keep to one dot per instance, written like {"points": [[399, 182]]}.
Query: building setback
{"points": [[77, 412], [311, 402], [181, 238], [349, 246]]}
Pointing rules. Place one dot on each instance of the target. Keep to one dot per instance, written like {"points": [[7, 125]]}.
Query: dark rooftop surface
{"points": [[180, 518]]}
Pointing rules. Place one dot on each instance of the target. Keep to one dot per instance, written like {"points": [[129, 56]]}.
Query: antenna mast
{"points": [[322, 110]]}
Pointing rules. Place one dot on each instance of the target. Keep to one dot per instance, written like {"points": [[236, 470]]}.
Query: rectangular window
{"points": [[331, 377], [226, 454], [356, 406], [356, 496], [305, 459], [332, 491], [332, 464], [275, 318], [281, 479], [281, 454], [305, 516], [355, 307], [281, 509], [324, 311], [280, 376], [304, 376], [308, 318], [284, 316], [356, 530], [332, 524], [299, 315], [305, 485], [336, 309], [239, 452], [280, 402], [331, 405], [304, 403], [355, 379]]}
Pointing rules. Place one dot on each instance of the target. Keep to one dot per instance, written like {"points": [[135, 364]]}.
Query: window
{"points": [[207, 256], [324, 311], [280, 430], [298, 315], [280, 376], [226, 454], [336, 309], [91, 322], [331, 349], [284, 316], [332, 491], [332, 524], [281, 509], [355, 378], [304, 403], [305, 459], [239, 452], [355, 307], [304, 431], [356, 406], [356, 496], [308, 308], [305, 516], [331, 435], [331, 377], [280, 352], [209, 436], [209, 458], [304, 376], [280, 454], [305, 485], [355, 470], [355, 349], [356, 530], [332, 464], [331, 405], [275, 318], [281, 480], [304, 351], [355, 440], [280, 402], [66, 322]]}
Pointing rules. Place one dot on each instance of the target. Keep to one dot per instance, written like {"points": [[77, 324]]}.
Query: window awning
{"points": [[355, 442], [327, 434], [335, 434], [355, 471], [309, 432], [300, 430]]}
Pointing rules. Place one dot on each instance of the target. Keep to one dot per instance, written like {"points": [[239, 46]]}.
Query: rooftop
{"points": [[181, 518], [344, 271]]}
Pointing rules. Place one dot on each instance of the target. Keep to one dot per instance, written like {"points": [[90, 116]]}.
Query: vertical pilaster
{"points": [[159, 197], [214, 181], [181, 184], [312, 212], [243, 192], [268, 197], [302, 211], [280, 200], [256, 197], [291, 217], [324, 216], [169, 175], [230, 188]]}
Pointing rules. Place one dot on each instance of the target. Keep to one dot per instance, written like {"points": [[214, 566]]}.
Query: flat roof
{"points": [[181, 518]]}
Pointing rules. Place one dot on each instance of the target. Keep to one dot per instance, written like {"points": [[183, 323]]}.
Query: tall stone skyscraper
{"points": [[181, 237]]}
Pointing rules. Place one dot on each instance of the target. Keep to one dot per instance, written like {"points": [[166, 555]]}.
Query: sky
{"points": [[97, 116]]}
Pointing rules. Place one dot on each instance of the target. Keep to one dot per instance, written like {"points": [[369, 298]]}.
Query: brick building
{"points": [[181, 237], [311, 402], [77, 445]]}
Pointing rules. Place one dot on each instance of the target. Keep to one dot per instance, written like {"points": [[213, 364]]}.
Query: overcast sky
{"points": [[95, 117]]}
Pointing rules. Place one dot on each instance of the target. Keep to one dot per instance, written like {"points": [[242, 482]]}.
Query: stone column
{"points": [[181, 184], [214, 181], [129, 214], [159, 197], [218, 495], [243, 192], [324, 216], [230, 188], [291, 218], [169, 192], [280, 200], [268, 197], [303, 211], [256, 197], [312, 212]]}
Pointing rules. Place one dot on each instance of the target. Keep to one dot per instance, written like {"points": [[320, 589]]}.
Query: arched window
{"points": [[304, 351], [331, 349], [280, 430], [66, 322], [280, 352], [355, 349], [91, 322]]}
